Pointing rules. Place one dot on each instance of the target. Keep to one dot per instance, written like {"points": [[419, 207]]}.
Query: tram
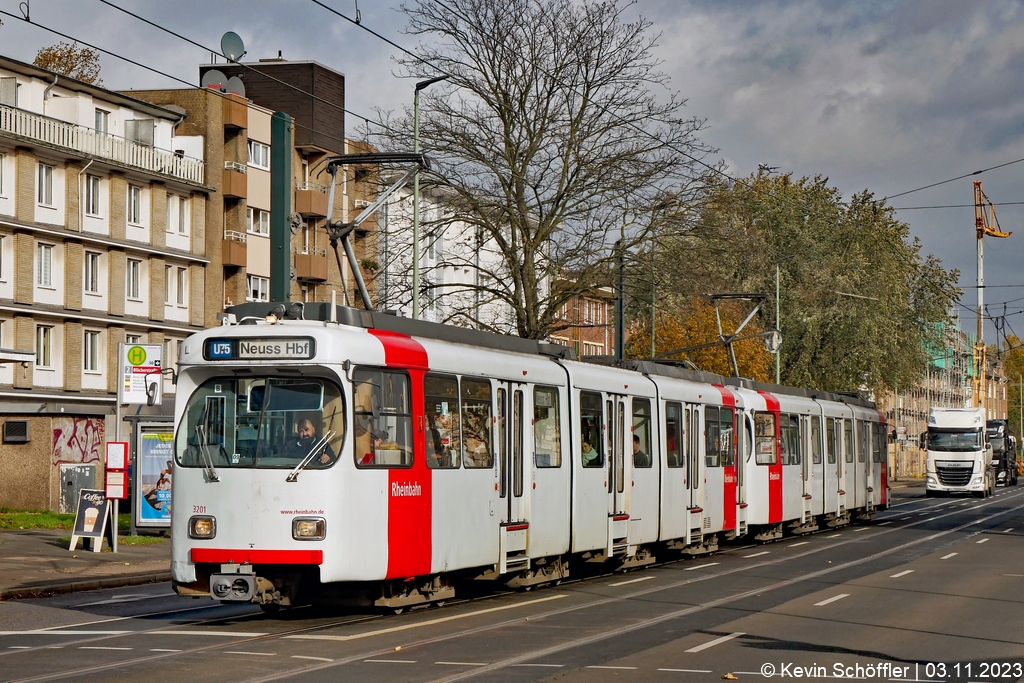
{"points": [[325, 453]]}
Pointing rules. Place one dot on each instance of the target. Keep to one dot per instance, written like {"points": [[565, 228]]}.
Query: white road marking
{"points": [[885, 523], [102, 647], [763, 552], [688, 671], [903, 519], [975, 507], [133, 597], [429, 622], [44, 632], [161, 649], [946, 557], [902, 573], [716, 641], [219, 634], [550, 666], [832, 599], [627, 668], [623, 583], [984, 540], [315, 659], [701, 566], [834, 536], [1006, 531], [20, 647], [391, 661], [251, 654], [793, 545], [863, 528], [464, 663]]}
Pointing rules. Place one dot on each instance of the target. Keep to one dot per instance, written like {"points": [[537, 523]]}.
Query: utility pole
{"points": [[620, 300], [778, 325], [985, 223], [416, 194]]}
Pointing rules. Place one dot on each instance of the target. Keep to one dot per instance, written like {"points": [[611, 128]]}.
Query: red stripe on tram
{"points": [[729, 496], [409, 516], [774, 471]]}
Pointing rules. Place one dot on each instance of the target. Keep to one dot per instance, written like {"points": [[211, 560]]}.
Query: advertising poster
{"points": [[156, 451]]}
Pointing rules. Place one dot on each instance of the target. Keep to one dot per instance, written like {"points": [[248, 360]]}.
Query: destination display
{"points": [[291, 348]]}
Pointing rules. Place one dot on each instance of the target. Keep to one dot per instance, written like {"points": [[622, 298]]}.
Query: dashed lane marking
{"points": [[218, 634], [701, 566], [688, 671], [832, 599], [429, 622], [464, 663], [716, 641], [834, 536], [622, 668], [946, 557], [903, 519], [315, 659], [794, 545], [763, 552], [885, 523], [250, 654], [623, 583], [103, 647], [1006, 531], [984, 540], [546, 666], [162, 649], [390, 661], [20, 647], [44, 632], [863, 528], [902, 573]]}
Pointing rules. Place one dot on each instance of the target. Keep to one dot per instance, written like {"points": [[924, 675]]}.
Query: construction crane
{"points": [[985, 223]]}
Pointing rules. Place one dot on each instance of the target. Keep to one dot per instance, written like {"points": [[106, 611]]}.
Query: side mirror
{"points": [[154, 396], [922, 440]]}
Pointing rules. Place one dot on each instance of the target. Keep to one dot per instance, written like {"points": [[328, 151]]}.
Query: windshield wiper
{"points": [[313, 452], [204, 448]]}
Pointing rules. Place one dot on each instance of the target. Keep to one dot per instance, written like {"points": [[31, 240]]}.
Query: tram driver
{"points": [[305, 438]]}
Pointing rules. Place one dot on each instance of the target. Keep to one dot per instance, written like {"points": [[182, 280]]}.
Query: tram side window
{"points": [[848, 439], [591, 422], [674, 434], [862, 441], [727, 437], [816, 439], [832, 444], [879, 432], [547, 426], [476, 423], [713, 437], [764, 439], [790, 439], [383, 419], [641, 432], [441, 404]]}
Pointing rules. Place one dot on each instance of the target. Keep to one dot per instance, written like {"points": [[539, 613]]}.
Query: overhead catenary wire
{"points": [[950, 180]]}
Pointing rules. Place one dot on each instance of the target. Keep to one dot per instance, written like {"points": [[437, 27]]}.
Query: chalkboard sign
{"points": [[92, 517]]}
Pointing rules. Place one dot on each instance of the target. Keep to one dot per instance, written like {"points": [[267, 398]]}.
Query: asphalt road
{"points": [[932, 589]]}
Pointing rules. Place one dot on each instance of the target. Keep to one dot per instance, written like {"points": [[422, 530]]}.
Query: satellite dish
{"points": [[231, 46], [215, 79], [236, 86]]}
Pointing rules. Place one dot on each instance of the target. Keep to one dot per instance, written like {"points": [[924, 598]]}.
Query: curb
{"points": [[57, 587]]}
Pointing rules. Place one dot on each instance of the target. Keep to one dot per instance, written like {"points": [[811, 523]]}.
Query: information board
{"points": [[140, 365], [117, 455], [153, 500]]}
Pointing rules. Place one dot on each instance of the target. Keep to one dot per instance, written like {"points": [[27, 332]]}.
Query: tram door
{"points": [[694, 473], [618, 472], [513, 470]]}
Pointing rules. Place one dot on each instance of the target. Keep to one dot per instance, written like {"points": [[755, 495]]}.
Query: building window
{"points": [[91, 352], [1, 175], [259, 288], [133, 339], [259, 221], [182, 216], [44, 270], [92, 195], [43, 335], [259, 155], [1, 257], [135, 205], [102, 121], [168, 276], [92, 272], [182, 285], [45, 186], [133, 278], [170, 212]]}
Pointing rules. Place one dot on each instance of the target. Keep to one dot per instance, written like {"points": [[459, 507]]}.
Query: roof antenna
{"points": [[359, 17]]}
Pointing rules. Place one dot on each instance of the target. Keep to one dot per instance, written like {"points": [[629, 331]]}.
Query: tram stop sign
{"points": [[141, 365]]}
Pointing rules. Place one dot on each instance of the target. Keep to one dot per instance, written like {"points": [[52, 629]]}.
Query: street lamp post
{"points": [[778, 367], [416, 194]]}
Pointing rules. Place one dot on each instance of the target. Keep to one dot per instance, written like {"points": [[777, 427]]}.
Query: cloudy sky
{"points": [[888, 96]]}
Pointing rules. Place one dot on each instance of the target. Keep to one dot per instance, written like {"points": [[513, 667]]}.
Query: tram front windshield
{"points": [[269, 422]]}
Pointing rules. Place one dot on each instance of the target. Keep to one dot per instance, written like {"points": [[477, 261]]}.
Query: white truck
{"points": [[959, 456]]}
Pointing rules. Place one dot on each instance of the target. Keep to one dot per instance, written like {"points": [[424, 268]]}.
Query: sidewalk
{"points": [[35, 563], [907, 483]]}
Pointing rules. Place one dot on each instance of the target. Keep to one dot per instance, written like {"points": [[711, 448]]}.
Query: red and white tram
{"points": [[357, 457]]}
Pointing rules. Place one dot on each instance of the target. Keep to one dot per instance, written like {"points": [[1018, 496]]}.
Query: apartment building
{"points": [[103, 239], [587, 323]]}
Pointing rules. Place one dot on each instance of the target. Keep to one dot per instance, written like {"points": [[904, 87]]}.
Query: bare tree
{"points": [[72, 60], [550, 143]]}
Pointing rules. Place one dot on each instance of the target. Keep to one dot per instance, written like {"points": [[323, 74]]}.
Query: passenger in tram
{"points": [[437, 454], [591, 458], [674, 457], [306, 437], [640, 459]]}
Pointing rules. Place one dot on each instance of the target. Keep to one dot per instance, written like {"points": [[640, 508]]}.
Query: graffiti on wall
{"points": [[77, 439]]}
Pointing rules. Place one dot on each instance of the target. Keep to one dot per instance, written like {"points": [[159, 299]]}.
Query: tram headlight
{"points": [[202, 526], [309, 528]]}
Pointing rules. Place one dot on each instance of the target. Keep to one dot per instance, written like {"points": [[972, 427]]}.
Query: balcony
{"points": [[311, 199], [85, 141], [311, 263], [236, 112], [233, 182], [233, 251]]}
